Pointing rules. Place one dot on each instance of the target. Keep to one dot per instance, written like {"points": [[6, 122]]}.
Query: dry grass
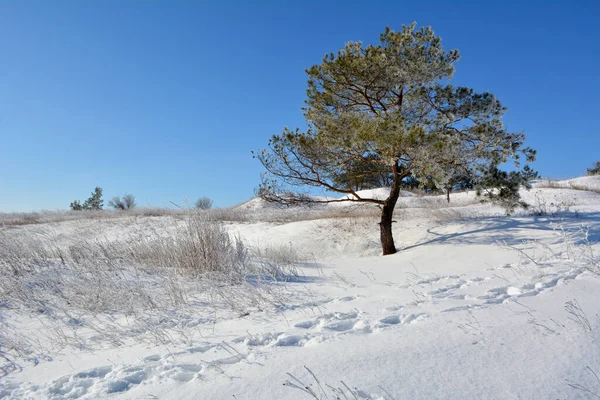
{"points": [[42, 217], [202, 247], [158, 289], [313, 388], [555, 184], [274, 215]]}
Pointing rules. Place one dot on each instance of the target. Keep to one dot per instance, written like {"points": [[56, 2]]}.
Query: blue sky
{"points": [[166, 99]]}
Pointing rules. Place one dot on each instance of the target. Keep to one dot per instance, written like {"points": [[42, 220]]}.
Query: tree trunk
{"points": [[448, 194], [387, 214], [385, 227]]}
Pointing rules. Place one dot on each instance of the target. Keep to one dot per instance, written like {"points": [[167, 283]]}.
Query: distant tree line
{"points": [[95, 202], [127, 202]]}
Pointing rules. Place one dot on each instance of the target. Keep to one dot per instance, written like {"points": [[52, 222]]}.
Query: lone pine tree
{"points": [[387, 109]]}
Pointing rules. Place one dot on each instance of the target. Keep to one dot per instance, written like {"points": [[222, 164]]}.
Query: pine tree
{"points": [[76, 205], [94, 202], [388, 107]]}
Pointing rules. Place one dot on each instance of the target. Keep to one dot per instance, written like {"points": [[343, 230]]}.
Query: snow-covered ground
{"points": [[475, 305]]}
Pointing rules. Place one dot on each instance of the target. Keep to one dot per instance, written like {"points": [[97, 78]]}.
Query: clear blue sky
{"points": [[165, 99]]}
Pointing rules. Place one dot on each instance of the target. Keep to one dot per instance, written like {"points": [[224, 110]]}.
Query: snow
{"points": [[474, 306]]}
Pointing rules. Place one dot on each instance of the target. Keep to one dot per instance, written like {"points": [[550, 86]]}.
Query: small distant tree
{"points": [[125, 203], [204, 203], [76, 205], [389, 107], [94, 202], [595, 170]]}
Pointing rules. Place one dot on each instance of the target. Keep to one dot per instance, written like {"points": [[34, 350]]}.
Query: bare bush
{"points": [[203, 203], [123, 204]]}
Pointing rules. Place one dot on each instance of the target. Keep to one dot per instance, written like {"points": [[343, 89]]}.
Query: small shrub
{"points": [[204, 203]]}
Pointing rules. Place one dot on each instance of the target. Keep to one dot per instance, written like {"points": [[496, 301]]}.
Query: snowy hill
{"points": [[380, 194], [475, 305]]}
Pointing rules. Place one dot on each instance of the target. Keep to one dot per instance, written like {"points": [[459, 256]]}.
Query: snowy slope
{"points": [[582, 182], [476, 305]]}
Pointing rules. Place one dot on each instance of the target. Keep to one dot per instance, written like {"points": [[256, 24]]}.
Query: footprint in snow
{"points": [[404, 320], [391, 320], [341, 326]]}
